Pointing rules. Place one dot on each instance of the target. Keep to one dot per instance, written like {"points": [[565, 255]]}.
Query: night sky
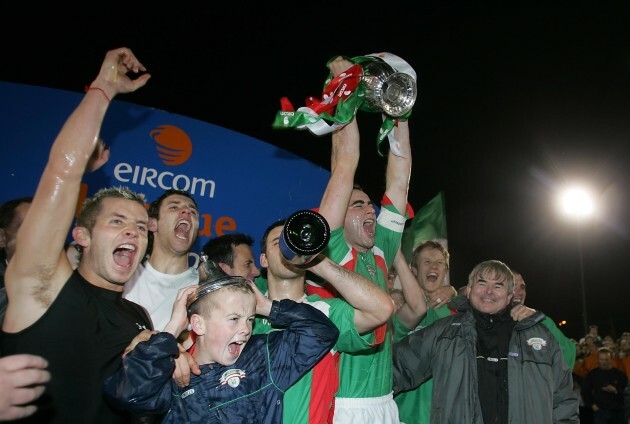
{"points": [[514, 102]]}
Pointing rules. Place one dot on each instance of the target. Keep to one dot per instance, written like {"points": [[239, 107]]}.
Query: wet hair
{"points": [[92, 205], [204, 304], [220, 249], [430, 244], [493, 269], [154, 207], [263, 241]]}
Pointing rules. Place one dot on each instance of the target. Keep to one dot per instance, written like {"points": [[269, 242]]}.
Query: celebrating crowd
{"points": [[133, 333]]}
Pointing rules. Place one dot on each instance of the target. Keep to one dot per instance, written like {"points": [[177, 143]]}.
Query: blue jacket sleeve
{"points": [[143, 384], [307, 336]]}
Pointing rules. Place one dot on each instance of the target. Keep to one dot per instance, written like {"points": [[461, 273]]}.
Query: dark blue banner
{"points": [[241, 183]]}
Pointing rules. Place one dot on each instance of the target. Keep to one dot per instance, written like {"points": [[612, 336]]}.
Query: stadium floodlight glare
{"points": [[576, 203]]}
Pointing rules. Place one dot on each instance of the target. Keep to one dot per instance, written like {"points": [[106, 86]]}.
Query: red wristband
{"points": [[87, 88]]}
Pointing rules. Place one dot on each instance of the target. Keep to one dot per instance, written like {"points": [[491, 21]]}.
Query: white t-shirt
{"points": [[157, 292]]}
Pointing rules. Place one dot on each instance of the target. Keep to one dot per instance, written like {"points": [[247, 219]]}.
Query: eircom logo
{"points": [[173, 144], [174, 148]]}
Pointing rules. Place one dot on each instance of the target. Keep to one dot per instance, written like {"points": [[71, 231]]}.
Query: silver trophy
{"points": [[394, 93]]}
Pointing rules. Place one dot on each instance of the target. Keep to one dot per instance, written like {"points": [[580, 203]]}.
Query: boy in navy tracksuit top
{"points": [[243, 377]]}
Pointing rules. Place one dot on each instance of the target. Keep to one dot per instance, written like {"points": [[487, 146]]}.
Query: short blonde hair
{"points": [[92, 206], [429, 244], [205, 303]]}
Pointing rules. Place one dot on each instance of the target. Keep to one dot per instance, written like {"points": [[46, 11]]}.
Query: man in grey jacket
{"points": [[486, 367]]}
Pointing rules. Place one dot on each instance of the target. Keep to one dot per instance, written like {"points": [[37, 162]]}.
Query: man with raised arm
{"points": [[365, 308], [77, 320], [430, 262], [366, 244]]}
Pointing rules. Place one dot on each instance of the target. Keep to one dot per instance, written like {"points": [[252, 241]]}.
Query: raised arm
{"points": [[399, 168], [36, 274], [373, 307], [343, 164], [415, 306], [179, 318], [185, 364], [307, 336]]}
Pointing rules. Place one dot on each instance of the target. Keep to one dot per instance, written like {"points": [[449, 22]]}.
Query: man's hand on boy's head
{"points": [[185, 364], [179, 316]]}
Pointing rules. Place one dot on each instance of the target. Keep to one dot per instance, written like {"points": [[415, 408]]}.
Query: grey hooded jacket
{"points": [[540, 384]]}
